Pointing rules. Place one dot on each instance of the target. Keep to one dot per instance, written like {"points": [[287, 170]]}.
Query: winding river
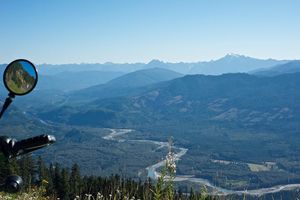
{"points": [[154, 174]]}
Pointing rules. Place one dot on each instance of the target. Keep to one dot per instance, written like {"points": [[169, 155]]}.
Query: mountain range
{"points": [[231, 63], [69, 81], [235, 118], [124, 85], [193, 98], [289, 67], [71, 77], [232, 118]]}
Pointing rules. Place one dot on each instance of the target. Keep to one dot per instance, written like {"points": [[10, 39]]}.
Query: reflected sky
{"points": [[28, 68]]}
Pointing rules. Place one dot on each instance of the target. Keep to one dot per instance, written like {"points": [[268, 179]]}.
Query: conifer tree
{"points": [[42, 170], [4, 167], [27, 169], [192, 194], [57, 180], [75, 181], [50, 185], [65, 187], [13, 167]]}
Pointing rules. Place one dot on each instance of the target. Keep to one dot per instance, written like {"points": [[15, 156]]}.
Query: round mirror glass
{"points": [[20, 77]]}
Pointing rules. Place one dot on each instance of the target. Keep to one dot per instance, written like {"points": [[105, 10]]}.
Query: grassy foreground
{"points": [[37, 193]]}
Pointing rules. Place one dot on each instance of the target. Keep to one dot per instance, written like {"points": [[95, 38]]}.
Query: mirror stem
{"points": [[7, 102]]}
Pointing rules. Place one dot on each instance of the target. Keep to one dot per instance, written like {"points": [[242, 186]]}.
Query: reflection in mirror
{"points": [[20, 77]]}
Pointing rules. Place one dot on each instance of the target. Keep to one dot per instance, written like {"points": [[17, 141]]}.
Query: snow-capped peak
{"points": [[234, 55]]}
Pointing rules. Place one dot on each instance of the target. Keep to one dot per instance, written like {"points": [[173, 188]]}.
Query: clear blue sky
{"points": [[73, 31]]}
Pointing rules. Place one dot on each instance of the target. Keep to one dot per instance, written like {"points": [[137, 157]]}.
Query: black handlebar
{"points": [[12, 148], [32, 144]]}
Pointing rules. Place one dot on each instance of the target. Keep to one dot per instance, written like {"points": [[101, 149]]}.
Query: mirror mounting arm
{"points": [[7, 102]]}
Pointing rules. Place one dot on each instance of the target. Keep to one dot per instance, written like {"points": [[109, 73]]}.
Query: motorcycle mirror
{"points": [[20, 78]]}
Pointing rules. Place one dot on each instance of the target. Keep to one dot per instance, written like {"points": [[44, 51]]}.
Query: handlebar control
{"points": [[13, 184], [12, 148]]}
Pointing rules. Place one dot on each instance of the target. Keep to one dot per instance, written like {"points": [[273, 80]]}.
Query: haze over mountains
{"points": [[79, 81], [290, 67], [240, 119], [236, 118], [70, 77], [231, 63], [68, 81], [127, 83], [224, 98], [110, 80]]}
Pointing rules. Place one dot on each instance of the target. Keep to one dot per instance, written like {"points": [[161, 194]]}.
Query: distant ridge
{"points": [[229, 99], [144, 77], [230, 63], [68, 81], [290, 67], [128, 82], [233, 63]]}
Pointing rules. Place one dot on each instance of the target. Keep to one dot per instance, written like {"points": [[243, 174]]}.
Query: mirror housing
{"points": [[20, 78]]}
